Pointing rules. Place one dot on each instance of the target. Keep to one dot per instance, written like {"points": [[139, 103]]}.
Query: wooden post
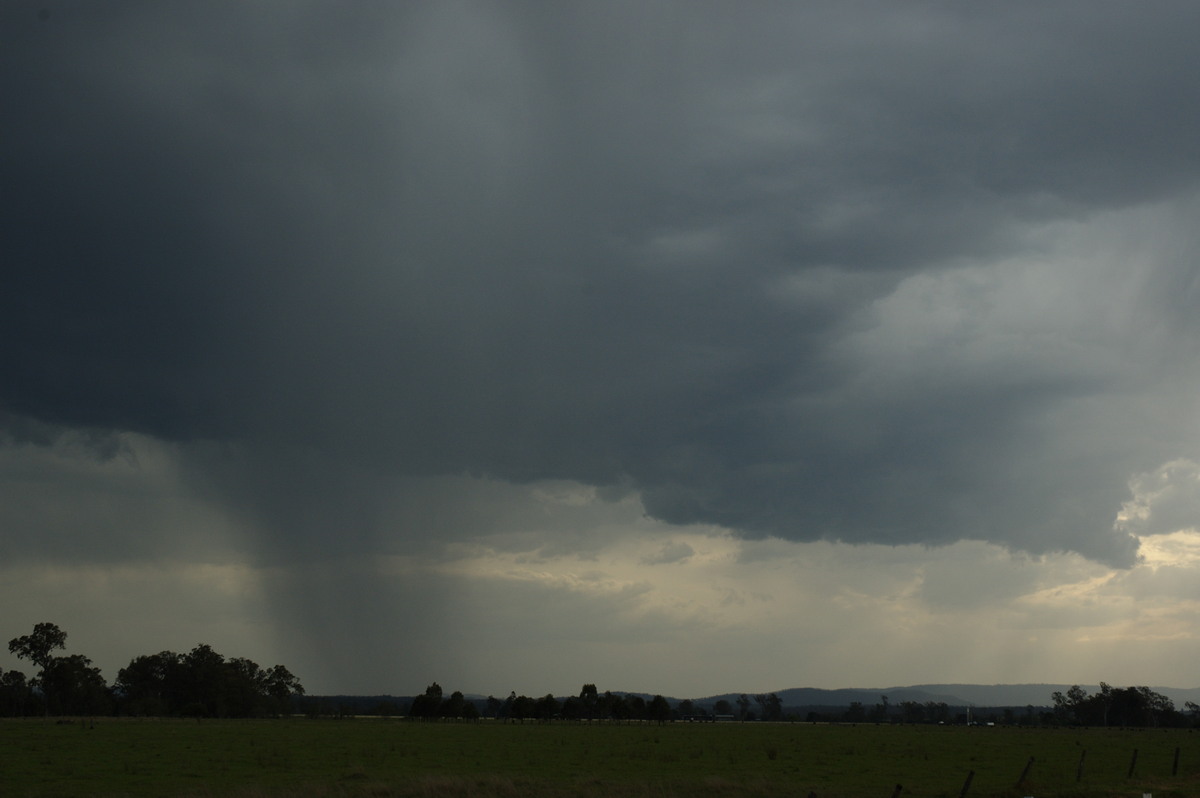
{"points": [[1132, 764], [1175, 764], [967, 784], [1079, 770], [1025, 772]]}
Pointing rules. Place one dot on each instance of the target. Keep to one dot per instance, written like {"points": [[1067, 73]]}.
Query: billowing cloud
{"points": [[1165, 500], [332, 286]]}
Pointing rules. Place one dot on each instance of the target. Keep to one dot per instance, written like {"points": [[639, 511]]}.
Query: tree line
{"points": [[1132, 706], [590, 704], [1128, 706], [200, 683]]}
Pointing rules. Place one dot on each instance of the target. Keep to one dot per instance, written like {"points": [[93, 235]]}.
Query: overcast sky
{"points": [[679, 347]]}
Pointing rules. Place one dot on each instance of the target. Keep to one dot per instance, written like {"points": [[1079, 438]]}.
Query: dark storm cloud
{"points": [[614, 244]]}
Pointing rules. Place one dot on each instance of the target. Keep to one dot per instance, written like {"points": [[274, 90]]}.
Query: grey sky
{"points": [[312, 291]]}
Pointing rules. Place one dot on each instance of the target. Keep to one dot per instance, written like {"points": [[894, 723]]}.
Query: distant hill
{"points": [[980, 695], [816, 697], [1004, 695]]}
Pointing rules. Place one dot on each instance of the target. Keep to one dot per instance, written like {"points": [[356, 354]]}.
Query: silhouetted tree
{"points": [[202, 683], [453, 706], [243, 688], [547, 707], [507, 708], [522, 707], [16, 695], [589, 697], [770, 706], [659, 709], [428, 704], [73, 687], [572, 708], [615, 706], [912, 711], [39, 647], [937, 711], [149, 685], [281, 686], [1101, 704], [1130, 706]]}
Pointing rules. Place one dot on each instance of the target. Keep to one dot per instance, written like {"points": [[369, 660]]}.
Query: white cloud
{"points": [[1165, 501]]}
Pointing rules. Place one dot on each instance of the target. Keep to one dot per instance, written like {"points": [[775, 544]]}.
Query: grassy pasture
{"points": [[352, 758]]}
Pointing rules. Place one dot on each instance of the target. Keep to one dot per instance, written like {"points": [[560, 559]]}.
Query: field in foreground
{"points": [[324, 758]]}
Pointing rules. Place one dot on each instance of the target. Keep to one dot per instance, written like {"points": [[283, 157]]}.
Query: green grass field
{"points": [[369, 757]]}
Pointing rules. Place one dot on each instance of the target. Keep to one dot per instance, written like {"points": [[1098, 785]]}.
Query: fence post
{"points": [[1132, 764], [1079, 769], [1025, 772], [1175, 764]]}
